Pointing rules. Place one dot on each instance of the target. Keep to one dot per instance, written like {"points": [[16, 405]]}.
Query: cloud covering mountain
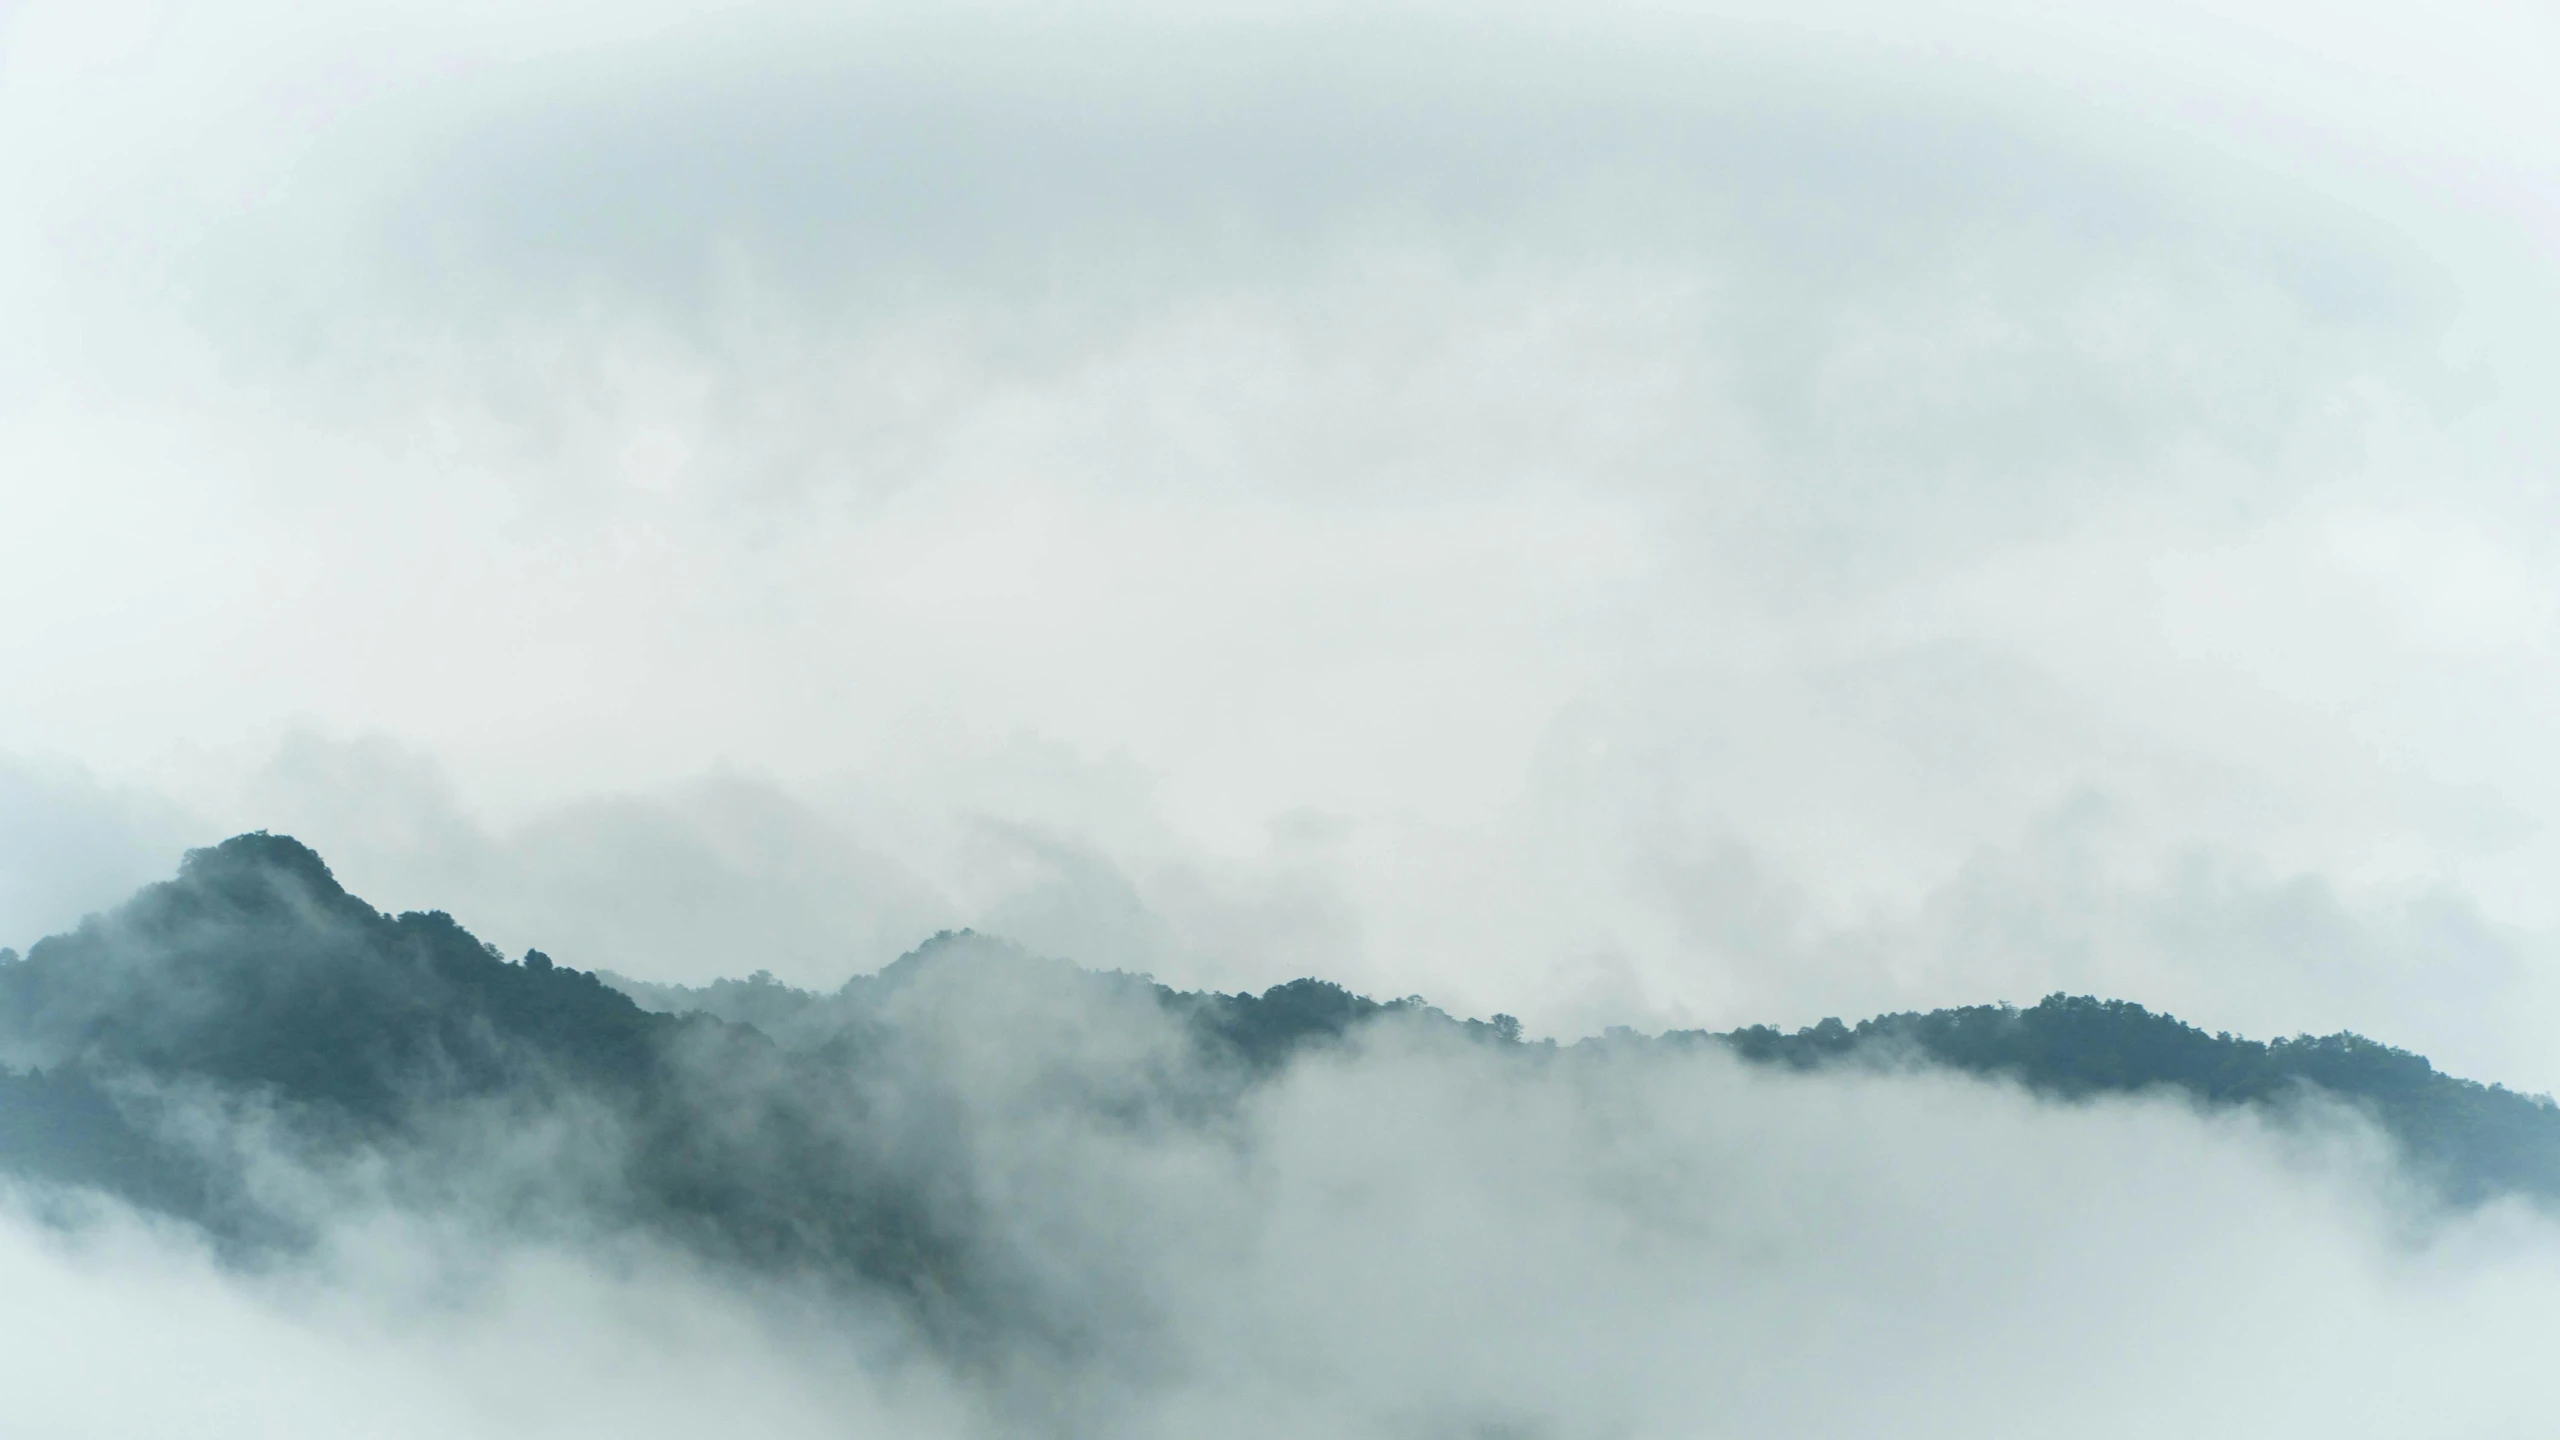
{"points": [[368, 1172], [1676, 517]]}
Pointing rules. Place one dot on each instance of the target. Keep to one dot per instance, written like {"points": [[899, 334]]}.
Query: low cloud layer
{"points": [[1412, 1241], [1669, 518], [398, 1185]]}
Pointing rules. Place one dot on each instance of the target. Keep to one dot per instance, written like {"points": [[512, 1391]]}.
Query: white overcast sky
{"points": [[1639, 514]]}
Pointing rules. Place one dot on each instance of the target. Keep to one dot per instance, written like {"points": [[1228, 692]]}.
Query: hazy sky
{"points": [[1685, 515]]}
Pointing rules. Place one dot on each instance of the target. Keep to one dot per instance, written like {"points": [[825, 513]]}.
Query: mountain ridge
{"points": [[789, 1129]]}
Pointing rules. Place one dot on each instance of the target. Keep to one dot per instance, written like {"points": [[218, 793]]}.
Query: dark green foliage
{"points": [[63, 1127], [254, 978], [254, 970], [2471, 1140], [1264, 1031]]}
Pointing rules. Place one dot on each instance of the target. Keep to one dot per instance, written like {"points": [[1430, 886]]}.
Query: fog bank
{"points": [[1409, 1238]]}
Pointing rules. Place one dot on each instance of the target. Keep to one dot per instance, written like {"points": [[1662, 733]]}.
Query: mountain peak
{"points": [[254, 862], [959, 951]]}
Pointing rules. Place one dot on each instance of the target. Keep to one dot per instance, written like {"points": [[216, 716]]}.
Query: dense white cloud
{"points": [[129, 1330], [1404, 1242]]}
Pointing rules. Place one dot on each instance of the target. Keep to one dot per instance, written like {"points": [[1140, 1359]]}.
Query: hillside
{"points": [[171, 1050]]}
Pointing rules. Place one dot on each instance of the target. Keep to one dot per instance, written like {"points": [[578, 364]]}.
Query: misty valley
{"points": [[1194, 721], [1015, 1196]]}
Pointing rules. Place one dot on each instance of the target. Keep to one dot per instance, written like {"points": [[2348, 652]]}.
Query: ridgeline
{"points": [[787, 1128]]}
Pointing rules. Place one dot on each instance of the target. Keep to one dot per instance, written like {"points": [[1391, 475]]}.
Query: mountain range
{"points": [[243, 1045]]}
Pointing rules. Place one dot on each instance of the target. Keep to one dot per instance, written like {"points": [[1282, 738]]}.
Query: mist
{"points": [[1652, 519], [1404, 1239], [1683, 516], [284, 1164]]}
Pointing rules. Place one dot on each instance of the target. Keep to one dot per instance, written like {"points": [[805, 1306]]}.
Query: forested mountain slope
{"points": [[2472, 1141], [171, 1050]]}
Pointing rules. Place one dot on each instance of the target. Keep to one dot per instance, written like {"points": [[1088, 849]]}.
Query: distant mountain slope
{"points": [[2470, 1141], [254, 980], [839, 1133], [254, 968], [1257, 1032], [254, 976], [2473, 1141]]}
